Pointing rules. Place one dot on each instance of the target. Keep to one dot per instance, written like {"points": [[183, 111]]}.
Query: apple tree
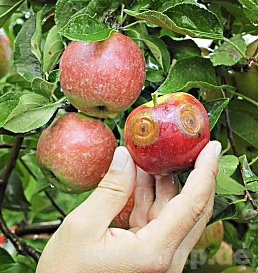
{"points": [[206, 48]]}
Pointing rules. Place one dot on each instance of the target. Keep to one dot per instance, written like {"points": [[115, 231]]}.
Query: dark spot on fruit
{"points": [[191, 122], [50, 53], [101, 108], [143, 129], [199, 135]]}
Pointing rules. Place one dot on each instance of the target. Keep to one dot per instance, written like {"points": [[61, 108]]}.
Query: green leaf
{"points": [[159, 50], [26, 63], [227, 186], [153, 75], [251, 239], [15, 104], [6, 260], [228, 164], [33, 118], [85, 28], [253, 186], [185, 19], [164, 5], [43, 87], [18, 268], [244, 126], [251, 5], [171, 34], [214, 109], [14, 198], [231, 236], [189, 73], [247, 173], [53, 49], [37, 37], [65, 9], [226, 54], [7, 8], [183, 49]]}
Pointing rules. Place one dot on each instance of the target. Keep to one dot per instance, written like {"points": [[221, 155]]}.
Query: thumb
{"points": [[112, 193]]}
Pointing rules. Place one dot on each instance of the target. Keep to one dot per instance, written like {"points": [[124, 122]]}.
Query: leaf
{"points": [[247, 173], [18, 268], [7, 8], [73, 8], [253, 186], [187, 19], [251, 5], [251, 239], [226, 54], [231, 236], [65, 9], [228, 164], [244, 126], [33, 118], [85, 29], [53, 49], [13, 105], [214, 109], [37, 37], [227, 186], [189, 73], [153, 75], [164, 5], [14, 198], [43, 87], [25, 61], [6, 260], [159, 50], [183, 49], [223, 209]]}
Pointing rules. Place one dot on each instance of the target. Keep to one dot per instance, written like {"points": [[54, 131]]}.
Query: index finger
{"points": [[180, 215]]}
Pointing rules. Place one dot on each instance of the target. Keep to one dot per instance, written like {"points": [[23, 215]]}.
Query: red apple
{"points": [[167, 137], [75, 152], [5, 55], [122, 219], [104, 78]]}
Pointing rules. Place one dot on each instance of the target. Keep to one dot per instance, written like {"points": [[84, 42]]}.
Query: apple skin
{"points": [[167, 137], [238, 269], [122, 219], [5, 55], [211, 239], [75, 152], [104, 78]]}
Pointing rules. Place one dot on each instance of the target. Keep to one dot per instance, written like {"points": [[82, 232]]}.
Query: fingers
{"points": [[181, 213], [111, 195], [166, 189], [143, 200]]}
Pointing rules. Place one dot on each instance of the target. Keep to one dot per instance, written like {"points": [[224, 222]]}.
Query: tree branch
{"points": [[21, 247], [54, 204], [45, 227], [9, 146]]}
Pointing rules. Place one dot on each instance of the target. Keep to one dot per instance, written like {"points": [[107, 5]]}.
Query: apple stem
{"points": [[154, 98]]}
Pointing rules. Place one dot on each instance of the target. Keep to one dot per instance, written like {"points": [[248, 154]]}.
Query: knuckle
{"points": [[197, 208]]}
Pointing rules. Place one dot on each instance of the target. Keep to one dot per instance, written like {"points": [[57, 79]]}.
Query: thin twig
{"points": [[9, 146], [21, 247], [54, 204]]}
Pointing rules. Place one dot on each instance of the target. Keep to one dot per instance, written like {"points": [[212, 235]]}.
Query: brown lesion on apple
{"points": [[191, 120], [143, 129]]}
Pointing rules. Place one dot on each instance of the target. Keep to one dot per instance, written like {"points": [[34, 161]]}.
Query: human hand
{"points": [[164, 230]]}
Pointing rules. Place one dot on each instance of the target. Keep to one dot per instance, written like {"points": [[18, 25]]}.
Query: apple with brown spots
{"points": [[103, 78], [75, 152], [167, 137]]}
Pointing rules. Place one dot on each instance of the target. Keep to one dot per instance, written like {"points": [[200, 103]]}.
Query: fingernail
{"points": [[120, 159], [217, 150]]}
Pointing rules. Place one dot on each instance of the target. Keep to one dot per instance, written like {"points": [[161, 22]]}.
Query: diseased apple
{"points": [[238, 269], [5, 55], [211, 239], [75, 152], [167, 137], [104, 78]]}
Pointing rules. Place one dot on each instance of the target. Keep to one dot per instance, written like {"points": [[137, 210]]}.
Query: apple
{"points": [[211, 239], [103, 78], [238, 269], [167, 137], [75, 152], [122, 219], [5, 55], [247, 81]]}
